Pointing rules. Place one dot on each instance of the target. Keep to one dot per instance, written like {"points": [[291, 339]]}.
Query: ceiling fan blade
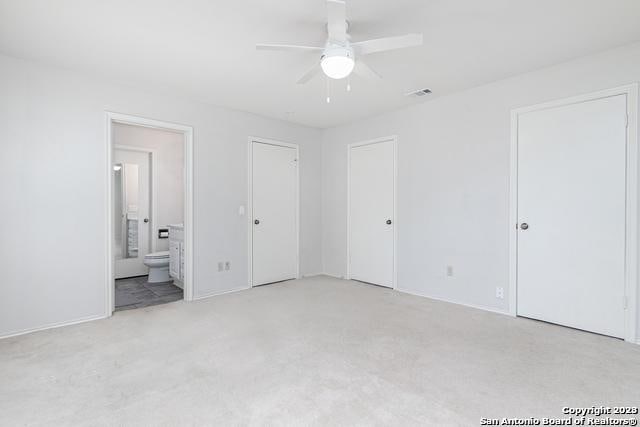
{"points": [[309, 74], [288, 47], [337, 20], [362, 69], [387, 43]]}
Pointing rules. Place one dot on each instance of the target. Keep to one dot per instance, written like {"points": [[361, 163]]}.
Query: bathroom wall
{"points": [[53, 185], [169, 150]]}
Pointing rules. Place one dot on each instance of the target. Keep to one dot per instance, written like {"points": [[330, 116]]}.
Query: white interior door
{"points": [[131, 212], [571, 215], [274, 213], [371, 213]]}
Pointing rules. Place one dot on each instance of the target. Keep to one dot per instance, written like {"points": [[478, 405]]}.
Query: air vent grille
{"points": [[421, 92]]}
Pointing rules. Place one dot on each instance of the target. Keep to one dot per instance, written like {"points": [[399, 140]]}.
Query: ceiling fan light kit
{"points": [[339, 57], [337, 62]]}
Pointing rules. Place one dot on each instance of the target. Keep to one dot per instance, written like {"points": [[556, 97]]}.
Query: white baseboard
{"points": [[322, 273], [478, 307], [216, 293], [332, 275], [53, 325], [311, 275], [229, 291]]}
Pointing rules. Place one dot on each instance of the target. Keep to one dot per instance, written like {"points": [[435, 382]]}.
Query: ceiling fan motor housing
{"points": [[333, 49]]}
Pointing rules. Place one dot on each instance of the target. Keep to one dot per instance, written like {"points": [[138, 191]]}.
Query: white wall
{"points": [[169, 151], [453, 189], [452, 204], [53, 187]]}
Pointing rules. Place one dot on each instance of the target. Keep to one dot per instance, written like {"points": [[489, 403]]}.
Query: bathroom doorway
{"points": [[150, 222]]}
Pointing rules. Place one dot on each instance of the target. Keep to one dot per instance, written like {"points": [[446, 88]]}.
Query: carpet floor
{"points": [[315, 351]]}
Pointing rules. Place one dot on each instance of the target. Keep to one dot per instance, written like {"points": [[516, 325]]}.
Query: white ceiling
{"points": [[205, 49]]}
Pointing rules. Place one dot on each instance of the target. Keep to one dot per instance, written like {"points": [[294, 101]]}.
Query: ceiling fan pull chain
{"points": [[328, 90], [349, 84]]}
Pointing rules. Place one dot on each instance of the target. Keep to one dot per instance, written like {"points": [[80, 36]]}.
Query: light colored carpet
{"points": [[317, 351]]}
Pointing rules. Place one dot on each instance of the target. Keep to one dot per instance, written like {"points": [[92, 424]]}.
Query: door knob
{"points": [[388, 222], [256, 222], [524, 226], [146, 220]]}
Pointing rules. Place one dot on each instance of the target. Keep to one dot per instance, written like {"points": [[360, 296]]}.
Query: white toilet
{"points": [[158, 263]]}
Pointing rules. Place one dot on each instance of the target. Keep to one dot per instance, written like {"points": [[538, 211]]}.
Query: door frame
{"points": [[249, 213], [631, 214], [153, 206], [394, 140], [187, 131]]}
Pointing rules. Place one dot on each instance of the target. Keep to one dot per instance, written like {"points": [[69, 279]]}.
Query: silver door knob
{"points": [[524, 226]]}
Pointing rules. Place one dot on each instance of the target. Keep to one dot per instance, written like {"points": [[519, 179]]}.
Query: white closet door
{"points": [[571, 210], [371, 209], [132, 207], [275, 245]]}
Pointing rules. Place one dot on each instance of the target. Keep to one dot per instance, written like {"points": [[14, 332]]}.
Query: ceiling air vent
{"points": [[419, 93]]}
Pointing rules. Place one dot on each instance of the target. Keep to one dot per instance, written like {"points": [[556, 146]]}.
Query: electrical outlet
{"points": [[227, 265], [449, 271], [220, 266], [500, 293]]}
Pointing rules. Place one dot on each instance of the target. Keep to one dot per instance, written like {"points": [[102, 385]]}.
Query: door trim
{"points": [[153, 156], [249, 212], [631, 214], [394, 140], [187, 131]]}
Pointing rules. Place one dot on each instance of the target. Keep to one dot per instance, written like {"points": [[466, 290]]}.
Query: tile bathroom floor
{"points": [[136, 292]]}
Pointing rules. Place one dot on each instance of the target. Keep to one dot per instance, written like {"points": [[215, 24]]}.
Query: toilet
{"points": [[158, 263]]}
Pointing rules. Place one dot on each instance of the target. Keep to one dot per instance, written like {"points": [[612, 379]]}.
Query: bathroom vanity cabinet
{"points": [[176, 254]]}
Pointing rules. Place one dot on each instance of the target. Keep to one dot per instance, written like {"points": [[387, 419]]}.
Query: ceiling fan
{"points": [[339, 56]]}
